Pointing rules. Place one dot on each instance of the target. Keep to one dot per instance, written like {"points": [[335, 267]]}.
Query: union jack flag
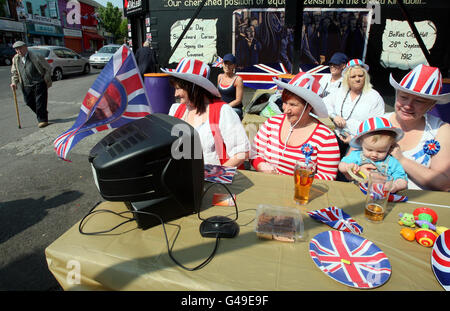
{"points": [[115, 98], [218, 62], [440, 259], [393, 197], [219, 174], [337, 219], [350, 259], [260, 76]]}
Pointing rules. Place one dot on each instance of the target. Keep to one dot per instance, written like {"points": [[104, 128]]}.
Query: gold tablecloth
{"points": [[133, 259]]}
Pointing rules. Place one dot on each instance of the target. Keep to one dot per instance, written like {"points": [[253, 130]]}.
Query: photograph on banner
{"points": [[261, 36]]}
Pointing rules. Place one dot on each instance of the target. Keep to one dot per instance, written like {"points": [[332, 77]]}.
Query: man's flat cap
{"points": [[18, 44]]}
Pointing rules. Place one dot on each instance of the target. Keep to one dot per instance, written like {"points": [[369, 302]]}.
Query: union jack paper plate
{"points": [[440, 259], [350, 259]]}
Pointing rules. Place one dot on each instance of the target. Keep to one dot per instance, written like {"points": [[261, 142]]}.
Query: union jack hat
{"points": [[372, 125], [424, 81], [355, 62], [195, 71], [307, 87]]}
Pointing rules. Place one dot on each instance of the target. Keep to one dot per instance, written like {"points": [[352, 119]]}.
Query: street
{"points": [[41, 196]]}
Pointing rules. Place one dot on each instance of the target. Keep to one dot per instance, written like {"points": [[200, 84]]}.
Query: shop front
{"points": [[44, 34], [10, 31], [43, 30], [92, 41], [73, 39]]}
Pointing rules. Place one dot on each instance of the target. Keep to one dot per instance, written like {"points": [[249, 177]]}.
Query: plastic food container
{"points": [[278, 223]]}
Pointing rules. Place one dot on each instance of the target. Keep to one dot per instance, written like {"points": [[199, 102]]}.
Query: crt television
{"points": [[154, 165]]}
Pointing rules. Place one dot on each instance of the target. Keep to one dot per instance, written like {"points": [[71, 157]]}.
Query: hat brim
{"points": [[318, 106], [18, 45], [196, 79], [440, 99], [355, 143]]}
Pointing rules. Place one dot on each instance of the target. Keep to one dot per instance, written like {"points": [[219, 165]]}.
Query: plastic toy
{"points": [[358, 176], [426, 216], [426, 219], [407, 219], [425, 237], [408, 234], [425, 224]]}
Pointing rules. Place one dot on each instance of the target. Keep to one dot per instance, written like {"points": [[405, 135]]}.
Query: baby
{"points": [[375, 137]]}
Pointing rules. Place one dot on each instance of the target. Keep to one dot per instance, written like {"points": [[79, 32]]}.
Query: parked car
{"points": [[6, 55], [63, 61], [102, 56]]}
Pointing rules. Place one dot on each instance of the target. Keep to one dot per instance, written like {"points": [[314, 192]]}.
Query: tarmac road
{"points": [[41, 196]]}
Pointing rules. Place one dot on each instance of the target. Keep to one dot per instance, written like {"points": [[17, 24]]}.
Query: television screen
{"points": [[154, 165]]}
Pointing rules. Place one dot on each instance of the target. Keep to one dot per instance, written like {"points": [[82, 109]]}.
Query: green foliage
{"points": [[111, 19]]}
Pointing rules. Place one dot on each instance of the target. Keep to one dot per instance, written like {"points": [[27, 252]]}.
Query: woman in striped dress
{"points": [[295, 135]]}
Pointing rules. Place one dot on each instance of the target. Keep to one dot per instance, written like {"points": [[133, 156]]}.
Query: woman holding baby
{"points": [[424, 149]]}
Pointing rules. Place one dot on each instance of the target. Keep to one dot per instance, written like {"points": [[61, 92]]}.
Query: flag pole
{"points": [[17, 107]]}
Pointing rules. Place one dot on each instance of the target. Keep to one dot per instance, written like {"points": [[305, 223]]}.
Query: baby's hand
{"points": [[368, 168], [355, 168]]}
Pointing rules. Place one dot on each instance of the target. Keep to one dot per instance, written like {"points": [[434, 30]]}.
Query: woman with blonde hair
{"points": [[423, 150], [353, 103]]}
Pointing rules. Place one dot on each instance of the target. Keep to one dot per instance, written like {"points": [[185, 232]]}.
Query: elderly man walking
{"points": [[34, 74]]}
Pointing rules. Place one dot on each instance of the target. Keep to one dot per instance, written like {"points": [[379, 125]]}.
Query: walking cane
{"points": [[17, 107]]}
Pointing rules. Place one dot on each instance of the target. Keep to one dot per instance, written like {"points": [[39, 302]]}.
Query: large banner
{"points": [[261, 36]]}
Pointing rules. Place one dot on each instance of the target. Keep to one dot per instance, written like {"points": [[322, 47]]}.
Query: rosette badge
{"points": [[431, 147], [307, 151]]}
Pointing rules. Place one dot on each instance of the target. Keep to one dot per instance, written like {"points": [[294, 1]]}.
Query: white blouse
{"points": [[232, 132], [329, 87], [369, 104]]}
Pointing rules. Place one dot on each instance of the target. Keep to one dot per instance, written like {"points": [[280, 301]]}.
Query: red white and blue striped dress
{"points": [[268, 147]]}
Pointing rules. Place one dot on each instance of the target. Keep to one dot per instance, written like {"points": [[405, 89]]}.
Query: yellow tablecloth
{"points": [[133, 259]]}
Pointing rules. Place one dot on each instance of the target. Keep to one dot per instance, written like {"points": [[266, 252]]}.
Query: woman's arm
{"points": [[234, 137], [239, 84], [259, 146], [437, 176], [237, 160]]}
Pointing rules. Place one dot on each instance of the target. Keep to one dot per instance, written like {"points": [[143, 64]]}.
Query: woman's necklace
{"points": [[343, 102]]}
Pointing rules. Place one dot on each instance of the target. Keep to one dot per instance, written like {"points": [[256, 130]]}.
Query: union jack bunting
{"points": [[115, 98], [316, 70], [337, 219], [219, 174], [260, 76], [218, 62], [393, 197], [350, 259], [440, 259]]}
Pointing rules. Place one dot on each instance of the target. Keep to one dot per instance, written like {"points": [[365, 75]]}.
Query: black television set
{"points": [[154, 165]]}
